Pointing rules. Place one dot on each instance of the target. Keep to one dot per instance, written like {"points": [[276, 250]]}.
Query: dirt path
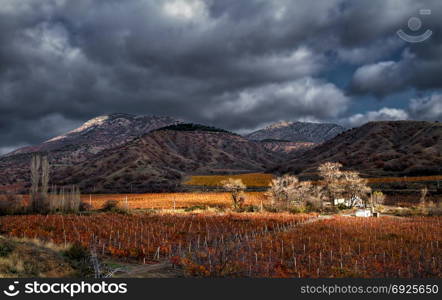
{"points": [[167, 270]]}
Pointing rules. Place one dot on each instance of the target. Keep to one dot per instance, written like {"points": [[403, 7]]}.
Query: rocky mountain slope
{"points": [[158, 160], [97, 134], [286, 147], [297, 132], [94, 136], [389, 148]]}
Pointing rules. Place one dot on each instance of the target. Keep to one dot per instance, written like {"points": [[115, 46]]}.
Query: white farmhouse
{"points": [[353, 202], [364, 213]]}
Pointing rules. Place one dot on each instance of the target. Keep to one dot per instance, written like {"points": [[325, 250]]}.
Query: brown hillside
{"points": [[159, 160], [389, 148]]}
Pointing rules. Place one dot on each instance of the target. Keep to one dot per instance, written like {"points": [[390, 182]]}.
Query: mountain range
{"points": [[117, 151], [123, 153], [384, 148], [159, 160], [297, 132], [96, 135]]}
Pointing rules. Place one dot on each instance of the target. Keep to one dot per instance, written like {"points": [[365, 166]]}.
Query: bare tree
{"points": [[282, 190], [331, 173], [63, 199], [53, 199], [354, 187], [315, 196], [44, 181], [75, 198], [39, 184], [35, 182], [287, 191], [236, 187], [343, 184], [424, 192], [377, 198]]}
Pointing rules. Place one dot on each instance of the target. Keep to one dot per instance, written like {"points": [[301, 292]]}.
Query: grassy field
{"points": [[29, 257]]}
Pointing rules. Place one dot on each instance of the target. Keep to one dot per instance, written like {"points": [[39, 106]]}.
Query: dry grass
{"points": [[32, 258], [250, 179]]}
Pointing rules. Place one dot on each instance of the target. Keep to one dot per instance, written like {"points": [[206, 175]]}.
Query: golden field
{"points": [[211, 199], [171, 200], [263, 180], [249, 179], [404, 179]]}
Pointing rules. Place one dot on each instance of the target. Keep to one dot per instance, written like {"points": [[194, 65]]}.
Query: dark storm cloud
{"points": [[234, 64], [419, 66]]}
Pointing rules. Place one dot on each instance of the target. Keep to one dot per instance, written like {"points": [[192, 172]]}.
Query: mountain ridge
{"points": [[382, 148], [99, 133], [297, 132], [159, 160]]}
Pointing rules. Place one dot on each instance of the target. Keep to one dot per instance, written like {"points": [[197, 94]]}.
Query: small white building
{"points": [[353, 202], [363, 213]]}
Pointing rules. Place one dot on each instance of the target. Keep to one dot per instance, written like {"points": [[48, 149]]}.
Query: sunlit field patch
{"points": [[250, 179], [172, 200]]}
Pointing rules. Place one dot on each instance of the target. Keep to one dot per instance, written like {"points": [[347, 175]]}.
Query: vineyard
{"points": [[252, 245], [171, 200], [405, 179], [249, 179], [263, 180]]}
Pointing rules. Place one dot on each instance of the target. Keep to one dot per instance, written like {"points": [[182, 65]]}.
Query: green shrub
{"points": [[5, 249], [195, 207], [435, 211], [249, 208], [299, 209], [342, 206], [110, 205], [11, 204], [272, 209], [76, 252], [84, 206], [330, 210], [114, 207]]}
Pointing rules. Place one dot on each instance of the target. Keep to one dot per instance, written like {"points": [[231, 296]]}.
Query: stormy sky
{"points": [[238, 65]]}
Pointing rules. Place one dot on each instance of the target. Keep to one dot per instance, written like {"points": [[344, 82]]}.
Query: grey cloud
{"points": [[380, 78], [427, 108], [193, 59], [384, 114], [302, 99], [419, 67]]}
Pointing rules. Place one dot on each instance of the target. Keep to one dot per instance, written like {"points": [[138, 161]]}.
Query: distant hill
{"points": [[80, 144], [97, 134], [159, 160], [291, 149], [193, 127], [297, 132], [389, 148]]}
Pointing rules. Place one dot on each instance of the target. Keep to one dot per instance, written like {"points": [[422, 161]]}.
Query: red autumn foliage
{"points": [[252, 245]]}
